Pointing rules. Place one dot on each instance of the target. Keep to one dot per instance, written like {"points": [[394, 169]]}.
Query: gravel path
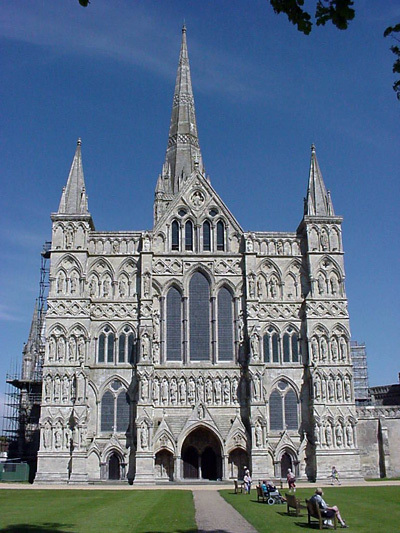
{"points": [[214, 514]]}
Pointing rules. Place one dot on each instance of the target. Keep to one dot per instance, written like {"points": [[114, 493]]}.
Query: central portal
{"points": [[201, 455]]}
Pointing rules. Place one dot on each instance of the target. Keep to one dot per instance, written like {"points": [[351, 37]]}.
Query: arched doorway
{"points": [[165, 465], [237, 460], [286, 463], [114, 467], [201, 455], [190, 459]]}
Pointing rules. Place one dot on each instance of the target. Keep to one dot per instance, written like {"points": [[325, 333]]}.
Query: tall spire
{"points": [[318, 201], [183, 151], [74, 199]]}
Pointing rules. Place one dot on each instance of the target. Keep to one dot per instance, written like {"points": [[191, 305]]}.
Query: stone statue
{"points": [[314, 350], [258, 433], [347, 390], [57, 437], [69, 237], [164, 391], [349, 436], [156, 391], [328, 435], [61, 349], [339, 436], [47, 389], [274, 287], [200, 390], [334, 285], [218, 389], [156, 325], [47, 436], [106, 288], [254, 343], [208, 391], [145, 389], [192, 391], [65, 389], [241, 327], [331, 391], [343, 349], [145, 346], [182, 391], [339, 389], [156, 353], [122, 288], [321, 285], [144, 438], [174, 391], [317, 388], [324, 241], [226, 391], [93, 288], [251, 286], [259, 288], [81, 349], [72, 347], [334, 349], [57, 385], [324, 349]]}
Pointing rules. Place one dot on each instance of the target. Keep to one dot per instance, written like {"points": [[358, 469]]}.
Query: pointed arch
{"points": [[199, 317]]}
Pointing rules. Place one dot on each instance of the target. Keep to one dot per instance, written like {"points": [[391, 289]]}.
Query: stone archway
{"points": [[164, 463], [237, 460], [201, 455], [114, 464], [286, 463]]}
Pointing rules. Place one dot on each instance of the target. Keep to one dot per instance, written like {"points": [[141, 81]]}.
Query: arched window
{"points": [[188, 235], [115, 408], [275, 411], [206, 236], [122, 412], [290, 346], [106, 346], [175, 235], [126, 342], [199, 318], [107, 411], [271, 345], [174, 325], [291, 410], [283, 412], [220, 236], [225, 325]]}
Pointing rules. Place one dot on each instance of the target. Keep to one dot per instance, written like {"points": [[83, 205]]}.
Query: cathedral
{"points": [[193, 349]]}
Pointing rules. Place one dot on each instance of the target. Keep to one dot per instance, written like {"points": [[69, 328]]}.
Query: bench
{"points": [[315, 512], [260, 494], [238, 486], [292, 503]]}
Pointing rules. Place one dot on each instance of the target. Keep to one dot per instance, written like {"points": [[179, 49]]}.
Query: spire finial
{"points": [[79, 141], [313, 148], [184, 26]]}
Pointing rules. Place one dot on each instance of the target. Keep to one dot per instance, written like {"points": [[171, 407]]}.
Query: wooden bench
{"points": [[260, 494], [238, 486], [292, 503], [315, 512]]}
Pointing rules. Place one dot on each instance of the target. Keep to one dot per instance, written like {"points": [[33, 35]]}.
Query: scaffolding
{"points": [[24, 383]]}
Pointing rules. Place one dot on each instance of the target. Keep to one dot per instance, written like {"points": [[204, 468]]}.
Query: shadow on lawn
{"points": [[46, 527]]}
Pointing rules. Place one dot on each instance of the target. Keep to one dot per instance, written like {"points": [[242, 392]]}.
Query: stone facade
{"points": [[195, 348]]}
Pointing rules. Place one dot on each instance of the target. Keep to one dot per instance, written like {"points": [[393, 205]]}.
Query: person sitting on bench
{"points": [[326, 511]]}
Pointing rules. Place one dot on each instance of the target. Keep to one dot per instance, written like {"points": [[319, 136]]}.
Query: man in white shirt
{"points": [[326, 511]]}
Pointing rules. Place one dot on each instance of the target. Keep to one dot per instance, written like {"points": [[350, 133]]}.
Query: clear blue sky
{"points": [[263, 94]]}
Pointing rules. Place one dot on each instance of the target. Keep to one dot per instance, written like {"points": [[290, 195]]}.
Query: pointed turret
{"points": [[31, 348], [318, 201], [183, 152], [74, 199]]}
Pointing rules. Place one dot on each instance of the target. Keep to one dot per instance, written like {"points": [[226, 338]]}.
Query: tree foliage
{"points": [[392, 31], [339, 12]]}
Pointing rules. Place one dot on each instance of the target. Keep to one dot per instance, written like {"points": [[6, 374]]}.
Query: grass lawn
{"points": [[97, 511], [365, 509]]}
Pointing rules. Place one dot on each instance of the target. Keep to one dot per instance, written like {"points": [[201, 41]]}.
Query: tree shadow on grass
{"points": [[46, 527]]}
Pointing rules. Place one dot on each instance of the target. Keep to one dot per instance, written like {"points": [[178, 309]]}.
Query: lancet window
{"points": [[206, 236], [220, 236], [290, 346], [199, 318], [112, 349], [189, 235], [271, 344], [175, 235], [283, 410], [225, 325], [115, 408], [174, 325]]}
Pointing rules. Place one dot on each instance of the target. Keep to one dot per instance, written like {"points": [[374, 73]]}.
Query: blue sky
{"points": [[263, 92]]}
